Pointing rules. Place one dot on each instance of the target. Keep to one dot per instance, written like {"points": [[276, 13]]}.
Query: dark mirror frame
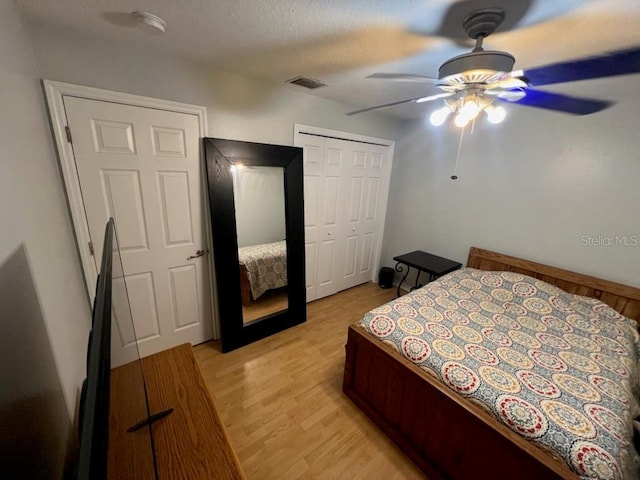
{"points": [[220, 155]]}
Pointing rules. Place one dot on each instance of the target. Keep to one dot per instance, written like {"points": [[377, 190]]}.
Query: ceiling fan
{"points": [[474, 81]]}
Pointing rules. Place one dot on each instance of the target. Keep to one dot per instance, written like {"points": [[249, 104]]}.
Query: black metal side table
{"points": [[423, 262]]}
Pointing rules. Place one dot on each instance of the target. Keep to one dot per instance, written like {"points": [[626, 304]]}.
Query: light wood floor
{"points": [[281, 400]]}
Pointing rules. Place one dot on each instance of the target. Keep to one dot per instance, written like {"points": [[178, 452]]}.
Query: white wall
{"points": [[33, 212], [532, 186], [239, 108], [258, 195]]}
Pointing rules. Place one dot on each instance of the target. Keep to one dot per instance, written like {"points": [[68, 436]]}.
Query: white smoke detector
{"points": [[150, 23]]}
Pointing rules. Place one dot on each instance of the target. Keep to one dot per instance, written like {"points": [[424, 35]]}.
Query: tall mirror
{"points": [[256, 204]]}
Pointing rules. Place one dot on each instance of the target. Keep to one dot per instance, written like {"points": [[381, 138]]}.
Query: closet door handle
{"points": [[199, 253]]}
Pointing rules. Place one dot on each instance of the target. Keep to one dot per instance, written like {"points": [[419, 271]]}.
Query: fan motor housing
{"points": [[485, 60]]}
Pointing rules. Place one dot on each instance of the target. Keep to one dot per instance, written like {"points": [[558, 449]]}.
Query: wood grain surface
{"points": [[130, 454], [191, 443]]}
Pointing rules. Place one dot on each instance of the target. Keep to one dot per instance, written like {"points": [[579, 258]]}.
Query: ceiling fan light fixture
{"points": [[489, 75]]}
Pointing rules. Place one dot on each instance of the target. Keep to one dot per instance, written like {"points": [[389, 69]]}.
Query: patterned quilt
{"points": [[557, 368], [266, 266]]}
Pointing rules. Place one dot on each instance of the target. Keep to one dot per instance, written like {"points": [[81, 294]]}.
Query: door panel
{"points": [[113, 137], [311, 207], [312, 167], [350, 256], [373, 199], [184, 295], [168, 142], [325, 272], [311, 195], [311, 254], [142, 167], [359, 159], [376, 161], [363, 181], [330, 194], [123, 199], [174, 201], [366, 255], [144, 308], [355, 199], [334, 157], [331, 253], [121, 314]]}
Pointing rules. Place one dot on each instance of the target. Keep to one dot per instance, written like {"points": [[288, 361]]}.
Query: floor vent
{"points": [[306, 82]]}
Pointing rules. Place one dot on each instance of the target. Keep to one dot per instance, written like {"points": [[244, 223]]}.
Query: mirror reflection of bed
{"points": [[258, 194]]}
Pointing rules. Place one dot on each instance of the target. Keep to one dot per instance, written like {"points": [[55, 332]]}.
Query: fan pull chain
{"points": [[455, 169]]}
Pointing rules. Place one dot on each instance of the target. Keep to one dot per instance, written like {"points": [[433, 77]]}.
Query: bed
{"points": [[262, 268], [453, 434]]}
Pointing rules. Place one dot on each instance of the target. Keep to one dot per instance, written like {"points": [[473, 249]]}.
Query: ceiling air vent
{"points": [[306, 82]]}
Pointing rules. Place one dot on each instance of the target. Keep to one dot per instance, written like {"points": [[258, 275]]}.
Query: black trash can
{"points": [[385, 277]]}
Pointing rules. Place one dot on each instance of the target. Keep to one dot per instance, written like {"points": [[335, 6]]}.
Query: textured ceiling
{"points": [[340, 42]]}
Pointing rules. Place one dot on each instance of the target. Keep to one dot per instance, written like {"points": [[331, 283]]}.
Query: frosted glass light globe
{"points": [[438, 117], [461, 120], [470, 109], [496, 115]]}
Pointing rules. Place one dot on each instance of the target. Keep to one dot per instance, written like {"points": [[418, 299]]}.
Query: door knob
{"points": [[329, 233], [199, 253], [353, 229]]}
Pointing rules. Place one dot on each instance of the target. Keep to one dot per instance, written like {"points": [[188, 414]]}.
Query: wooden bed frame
{"points": [[445, 434]]}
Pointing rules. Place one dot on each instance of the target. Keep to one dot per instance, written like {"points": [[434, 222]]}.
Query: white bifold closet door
{"points": [[345, 186]]}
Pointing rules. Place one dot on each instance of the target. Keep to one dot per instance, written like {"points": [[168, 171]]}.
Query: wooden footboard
{"points": [[446, 435]]}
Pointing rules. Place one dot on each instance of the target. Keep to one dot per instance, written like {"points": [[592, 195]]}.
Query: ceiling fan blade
{"points": [[610, 64], [431, 98], [506, 84], [417, 99], [509, 95], [559, 102], [404, 77]]}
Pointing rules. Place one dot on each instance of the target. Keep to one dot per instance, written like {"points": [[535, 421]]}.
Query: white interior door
{"points": [[141, 166]]}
